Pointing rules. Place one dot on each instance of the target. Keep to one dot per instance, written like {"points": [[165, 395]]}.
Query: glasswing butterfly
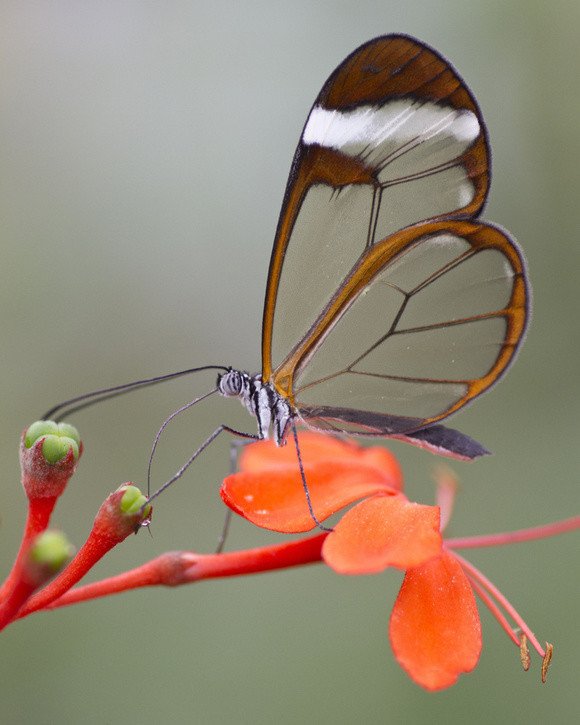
{"points": [[389, 304]]}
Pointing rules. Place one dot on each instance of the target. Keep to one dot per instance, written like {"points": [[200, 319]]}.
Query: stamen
{"points": [[474, 573], [494, 609], [515, 537], [546, 661]]}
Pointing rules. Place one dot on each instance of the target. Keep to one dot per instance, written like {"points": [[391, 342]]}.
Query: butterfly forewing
{"points": [[387, 309], [394, 138]]}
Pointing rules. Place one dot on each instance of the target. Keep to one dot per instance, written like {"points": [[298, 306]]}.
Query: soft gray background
{"points": [[144, 149]]}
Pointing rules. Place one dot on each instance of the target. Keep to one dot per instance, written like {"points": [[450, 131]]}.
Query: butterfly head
{"points": [[231, 383]]}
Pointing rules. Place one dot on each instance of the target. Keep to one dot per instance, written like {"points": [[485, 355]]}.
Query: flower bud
{"points": [[123, 512], [48, 554], [134, 502], [58, 439], [49, 453]]}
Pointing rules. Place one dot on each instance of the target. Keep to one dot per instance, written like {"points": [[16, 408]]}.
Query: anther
{"points": [[546, 660], [524, 652]]}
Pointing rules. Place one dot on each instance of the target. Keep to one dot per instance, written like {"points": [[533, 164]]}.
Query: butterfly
{"points": [[389, 304]]}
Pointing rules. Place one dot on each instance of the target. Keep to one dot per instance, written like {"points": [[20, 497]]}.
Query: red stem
{"points": [[39, 512], [19, 593], [185, 567], [254, 561], [88, 555]]}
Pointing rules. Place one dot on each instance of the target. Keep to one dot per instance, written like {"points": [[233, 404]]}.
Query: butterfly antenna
{"points": [[164, 426], [97, 396]]}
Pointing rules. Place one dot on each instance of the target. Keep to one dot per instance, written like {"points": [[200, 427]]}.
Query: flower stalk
{"points": [[121, 514], [175, 568]]}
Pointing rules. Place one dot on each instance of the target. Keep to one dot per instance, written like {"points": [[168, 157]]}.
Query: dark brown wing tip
{"points": [[446, 442]]}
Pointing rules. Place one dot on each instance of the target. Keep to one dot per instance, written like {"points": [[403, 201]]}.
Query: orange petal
{"points": [[435, 629], [316, 447], [274, 498], [383, 531]]}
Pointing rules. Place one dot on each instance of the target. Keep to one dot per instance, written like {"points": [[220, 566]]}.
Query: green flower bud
{"points": [[55, 448], [65, 430], [134, 502], [51, 550], [38, 429], [58, 439]]}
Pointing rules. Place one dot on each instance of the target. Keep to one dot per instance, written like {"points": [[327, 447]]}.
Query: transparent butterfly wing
{"points": [[394, 138], [426, 321], [389, 306]]}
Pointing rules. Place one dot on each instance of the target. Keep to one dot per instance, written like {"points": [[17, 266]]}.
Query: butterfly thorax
{"points": [[271, 410]]}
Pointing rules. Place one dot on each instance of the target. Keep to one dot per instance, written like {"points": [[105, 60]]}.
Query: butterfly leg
{"points": [[304, 482], [235, 446], [179, 473]]}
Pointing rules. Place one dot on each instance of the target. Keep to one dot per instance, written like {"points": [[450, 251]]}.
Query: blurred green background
{"points": [[144, 150]]}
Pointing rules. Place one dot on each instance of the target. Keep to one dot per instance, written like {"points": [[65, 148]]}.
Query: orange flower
{"points": [[434, 629]]}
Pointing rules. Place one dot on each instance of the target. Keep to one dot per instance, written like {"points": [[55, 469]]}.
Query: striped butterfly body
{"points": [[389, 304]]}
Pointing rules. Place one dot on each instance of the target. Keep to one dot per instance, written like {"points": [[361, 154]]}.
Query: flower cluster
{"points": [[434, 627], [49, 453]]}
